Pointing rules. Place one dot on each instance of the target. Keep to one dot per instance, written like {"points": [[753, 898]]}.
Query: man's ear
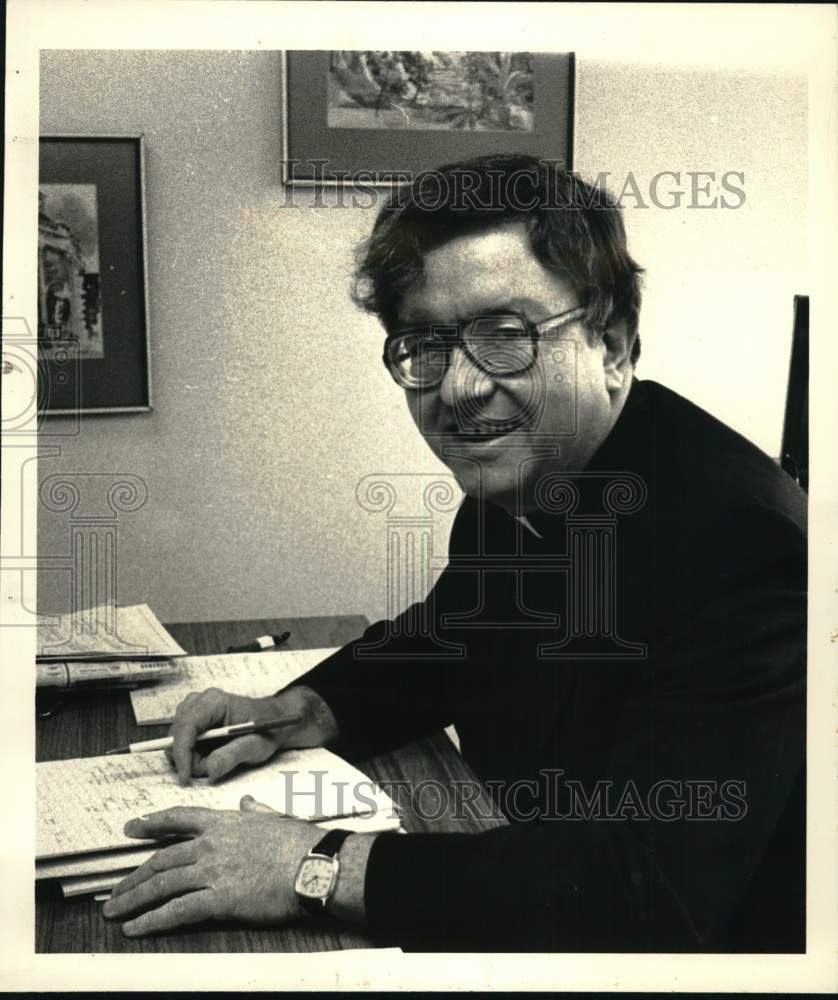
{"points": [[616, 360]]}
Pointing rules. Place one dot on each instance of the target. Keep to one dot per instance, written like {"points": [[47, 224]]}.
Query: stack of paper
{"points": [[84, 804], [104, 645], [106, 633], [254, 675]]}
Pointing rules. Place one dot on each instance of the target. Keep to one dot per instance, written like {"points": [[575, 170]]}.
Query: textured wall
{"points": [[270, 402], [716, 321]]}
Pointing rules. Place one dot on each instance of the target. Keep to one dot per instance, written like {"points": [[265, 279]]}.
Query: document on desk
{"points": [[83, 804], [255, 675], [106, 633], [129, 858], [93, 863], [87, 885]]}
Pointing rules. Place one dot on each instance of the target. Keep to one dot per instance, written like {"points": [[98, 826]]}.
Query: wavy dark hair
{"points": [[575, 230]]}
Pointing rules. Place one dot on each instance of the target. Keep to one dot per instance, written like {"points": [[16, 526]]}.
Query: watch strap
{"points": [[331, 843]]}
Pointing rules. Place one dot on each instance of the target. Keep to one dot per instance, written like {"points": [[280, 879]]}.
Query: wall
{"points": [[716, 321], [270, 401]]}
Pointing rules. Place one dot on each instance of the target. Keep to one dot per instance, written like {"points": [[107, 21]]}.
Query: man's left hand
{"points": [[237, 865]]}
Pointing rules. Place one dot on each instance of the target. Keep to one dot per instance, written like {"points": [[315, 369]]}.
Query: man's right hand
{"points": [[214, 707]]}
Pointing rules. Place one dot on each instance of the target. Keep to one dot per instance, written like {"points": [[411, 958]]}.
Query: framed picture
{"points": [[93, 348], [382, 117]]}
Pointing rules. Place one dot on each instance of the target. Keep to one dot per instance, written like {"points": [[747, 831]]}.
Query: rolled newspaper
{"points": [[64, 674]]}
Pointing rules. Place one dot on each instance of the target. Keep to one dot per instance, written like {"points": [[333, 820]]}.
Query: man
{"points": [[619, 633]]}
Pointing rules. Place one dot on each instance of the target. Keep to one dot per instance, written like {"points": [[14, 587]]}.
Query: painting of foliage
{"points": [[476, 91]]}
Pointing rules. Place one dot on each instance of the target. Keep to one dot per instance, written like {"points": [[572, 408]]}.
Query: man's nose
{"points": [[464, 381]]}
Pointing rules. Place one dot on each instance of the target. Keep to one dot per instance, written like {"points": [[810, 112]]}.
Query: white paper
{"points": [[127, 859], [254, 675], [83, 805], [378, 822], [103, 632], [94, 863], [84, 885]]}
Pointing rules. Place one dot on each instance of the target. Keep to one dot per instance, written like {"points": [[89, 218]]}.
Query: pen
{"points": [[224, 732], [262, 642]]}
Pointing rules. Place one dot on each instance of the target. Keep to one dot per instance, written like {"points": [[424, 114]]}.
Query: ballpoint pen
{"points": [[224, 732]]}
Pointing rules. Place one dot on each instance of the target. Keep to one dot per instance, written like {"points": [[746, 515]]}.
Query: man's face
{"points": [[501, 434]]}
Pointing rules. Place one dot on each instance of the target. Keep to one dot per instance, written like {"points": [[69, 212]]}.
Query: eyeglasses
{"points": [[505, 344]]}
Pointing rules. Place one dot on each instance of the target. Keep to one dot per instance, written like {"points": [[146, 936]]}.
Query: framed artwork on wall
{"points": [[382, 117], [93, 344]]}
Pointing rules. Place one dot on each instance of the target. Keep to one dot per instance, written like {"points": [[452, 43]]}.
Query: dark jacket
{"points": [[642, 667]]}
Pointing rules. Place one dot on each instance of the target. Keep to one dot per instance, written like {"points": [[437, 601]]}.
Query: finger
{"points": [[187, 700], [189, 909], [199, 764], [180, 820], [249, 804], [175, 856], [252, 749], [154, 890], [194, 715]]}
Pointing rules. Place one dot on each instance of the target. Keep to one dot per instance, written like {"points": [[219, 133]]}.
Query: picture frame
{"points": [[432, 108], [93, 330]]}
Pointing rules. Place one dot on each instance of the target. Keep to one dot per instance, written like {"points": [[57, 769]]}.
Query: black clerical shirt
{"points": [[630, 687]]}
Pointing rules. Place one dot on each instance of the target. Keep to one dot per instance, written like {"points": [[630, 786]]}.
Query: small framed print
{"points": [[93, 338], [382, 117]]}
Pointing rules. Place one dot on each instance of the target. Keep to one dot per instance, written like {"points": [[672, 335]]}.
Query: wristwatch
{"points": [[317, 875]]}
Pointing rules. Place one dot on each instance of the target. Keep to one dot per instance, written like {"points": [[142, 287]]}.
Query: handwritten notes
{"points": [[104, 632], [254, 675], [83, 804]]}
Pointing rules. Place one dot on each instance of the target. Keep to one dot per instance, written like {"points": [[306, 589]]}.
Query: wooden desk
{"points": [[88, 725]]}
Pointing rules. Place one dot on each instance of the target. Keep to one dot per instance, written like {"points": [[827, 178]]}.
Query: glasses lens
{"points": [[418, 360], [501, 345]]}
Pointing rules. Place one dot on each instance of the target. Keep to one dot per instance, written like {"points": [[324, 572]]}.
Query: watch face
{"points": [[316, 877]]}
